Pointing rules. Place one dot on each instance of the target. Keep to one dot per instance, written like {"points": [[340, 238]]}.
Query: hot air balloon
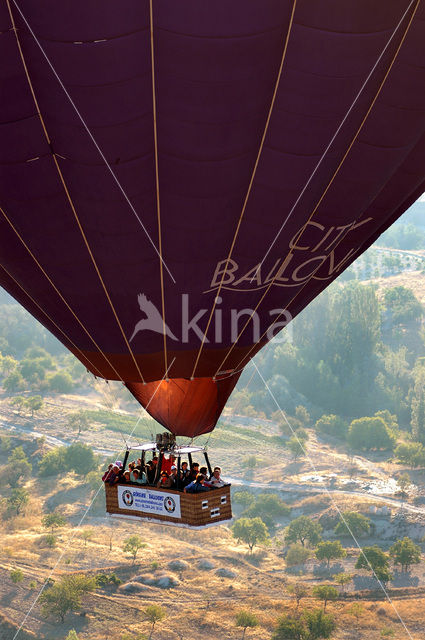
{"points": [[179, 178]]}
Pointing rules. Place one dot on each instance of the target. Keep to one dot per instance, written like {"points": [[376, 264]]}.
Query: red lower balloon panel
{"points": [[185, 407]]}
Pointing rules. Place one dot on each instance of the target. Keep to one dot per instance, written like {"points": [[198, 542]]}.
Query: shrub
{"points": [[370, 433], [296, 554], [52, 462], [353, 523], [16, 575], [332, 425], [243, 497]]}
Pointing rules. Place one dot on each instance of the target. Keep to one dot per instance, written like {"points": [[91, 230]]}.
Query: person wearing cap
{"points": [[173, 476]]}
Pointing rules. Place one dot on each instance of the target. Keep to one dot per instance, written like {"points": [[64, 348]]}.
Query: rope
{"points": [[158, 207], [354, 138], [260, 149], [68, 195]]}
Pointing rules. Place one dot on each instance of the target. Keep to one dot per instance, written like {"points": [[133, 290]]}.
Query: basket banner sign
{"points": [[148, 500]]}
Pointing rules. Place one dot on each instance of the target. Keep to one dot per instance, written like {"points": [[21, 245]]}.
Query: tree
{"points": [[418, 405], [252, 531], [78, 421], [154, 613], [243, 497], [52, 462], [18, 467], [296, 447], [289, 628], [267, 506], [342, 579], [303, 529], [332, 425], [16, 575], [302, 415], [405, 552], [14, 382], [299, 590], [61, 382], [65, 595], [319, 624], [53, 521], [72, 635], [370, 433], [353, 523], [87, 534], [325, 592], [246, 619], [18, 499], [330, 551], [411, 453], [403, 304], [18, 402], [374, 559], [80, 458], [132, 545], [296, 554], [34, 403], [356, 610]]}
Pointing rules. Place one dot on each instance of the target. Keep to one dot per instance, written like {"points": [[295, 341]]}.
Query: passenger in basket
{"points": [[107, 473], [197, 486], [173, 477], [164, 481], [138, 477], [216, 481], [194, 470], [185, 474], [150, 472], [113, 476]]}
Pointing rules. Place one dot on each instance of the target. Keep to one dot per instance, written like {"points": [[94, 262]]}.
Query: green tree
{"points": [[65, 595], [289, 627], [342, 579], [330, 551], [132, 545], [325, 592], [319, 624], [252, 531], [403, 304], [296, 447], [296, 554], [34, 403], [268, 507], [332, 425], [78, 421], [299, 590], [405, 553], [243, 497], [302, 415], [18, 402], [418, 405], [52, 462], [154, 613], [16, 575], [18, 467], [80, 458], [303, 529], [53, 521], [356, 610], [353, 523], [87, 534], [18, 500], [61, 382], [370, 433], [72, 635], [411, 453], [32, 370], [14, 382], [374, 559], [246, 619]]}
